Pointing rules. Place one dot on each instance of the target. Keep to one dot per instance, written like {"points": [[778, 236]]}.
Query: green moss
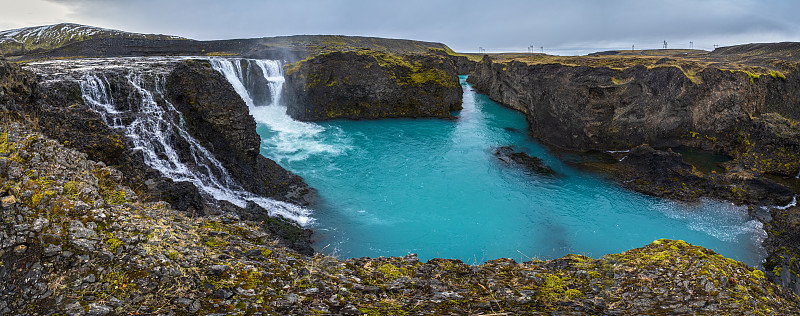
{"points": [[120, 282], [777, 74], [573, 294], [386, 60], [36, 199], [266, 252], [116, 198], [112, 241], [552, 289], [391, 272], [383, 308], [108, 187], [618, 81], [215, 242], [71, 188], [432, 75], [5, 146], [39, 195], [751, 75]]}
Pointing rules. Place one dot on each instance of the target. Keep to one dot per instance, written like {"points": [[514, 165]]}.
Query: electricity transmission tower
{"points": [[665, 44], [691, 45]]}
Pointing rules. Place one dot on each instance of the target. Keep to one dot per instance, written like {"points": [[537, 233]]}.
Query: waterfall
{"points": [[249, 76], [287, 138], [154, 126]]}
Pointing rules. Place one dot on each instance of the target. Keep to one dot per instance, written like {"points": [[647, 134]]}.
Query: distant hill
{"points": [[42, 38], [73, 40]]}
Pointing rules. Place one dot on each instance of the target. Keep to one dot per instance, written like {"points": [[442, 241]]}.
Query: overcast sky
{"points": [[563, 27]]}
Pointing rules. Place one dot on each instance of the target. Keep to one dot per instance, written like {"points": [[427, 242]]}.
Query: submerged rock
{"points": [[529, 163]]}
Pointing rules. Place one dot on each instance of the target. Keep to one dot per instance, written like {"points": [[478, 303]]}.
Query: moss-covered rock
{"points": [[368, 84]]}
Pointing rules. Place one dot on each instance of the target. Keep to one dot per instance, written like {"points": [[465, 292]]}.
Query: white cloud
{"points": [[18, 14], [464, 25]]}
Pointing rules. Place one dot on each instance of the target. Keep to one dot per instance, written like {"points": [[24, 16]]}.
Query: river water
{"points": [[433, 187]]}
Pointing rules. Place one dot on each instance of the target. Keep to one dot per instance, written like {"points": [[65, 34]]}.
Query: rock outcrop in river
{"points": [[367, 84]]}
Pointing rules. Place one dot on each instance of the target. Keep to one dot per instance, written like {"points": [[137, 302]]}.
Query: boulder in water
{"points": [[530, 163]]}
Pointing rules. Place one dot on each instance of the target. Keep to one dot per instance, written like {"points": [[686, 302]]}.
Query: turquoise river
{"points": [[433, 187]]}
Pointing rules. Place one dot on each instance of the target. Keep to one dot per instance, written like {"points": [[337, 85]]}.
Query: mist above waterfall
{"points": [[287, 139]]}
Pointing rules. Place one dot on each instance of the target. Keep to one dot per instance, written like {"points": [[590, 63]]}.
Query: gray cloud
{"points": [[463, 25]]}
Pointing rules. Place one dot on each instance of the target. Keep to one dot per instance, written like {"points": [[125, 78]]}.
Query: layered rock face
{"points": [[370, 84], [598, 108], [464, 66]]}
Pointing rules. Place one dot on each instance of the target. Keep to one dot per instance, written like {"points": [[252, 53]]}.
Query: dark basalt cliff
{"points": [[370, 84], [749, 117], [218, 117], [600, 108]]}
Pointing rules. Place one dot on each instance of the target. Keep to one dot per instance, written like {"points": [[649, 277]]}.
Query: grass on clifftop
{"points": [[319, 44], [690, 63]]}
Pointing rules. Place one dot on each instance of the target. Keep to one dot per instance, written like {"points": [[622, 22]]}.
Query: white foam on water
{"points": [[721, 220], [290, 139], [155, 121], [791, 204]]}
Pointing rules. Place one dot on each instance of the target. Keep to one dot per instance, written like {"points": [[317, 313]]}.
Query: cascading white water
{"points": [[290, 139], [155, 121]]}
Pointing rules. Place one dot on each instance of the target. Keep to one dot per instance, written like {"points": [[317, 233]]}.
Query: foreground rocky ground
{"points": [[75, 241]]}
